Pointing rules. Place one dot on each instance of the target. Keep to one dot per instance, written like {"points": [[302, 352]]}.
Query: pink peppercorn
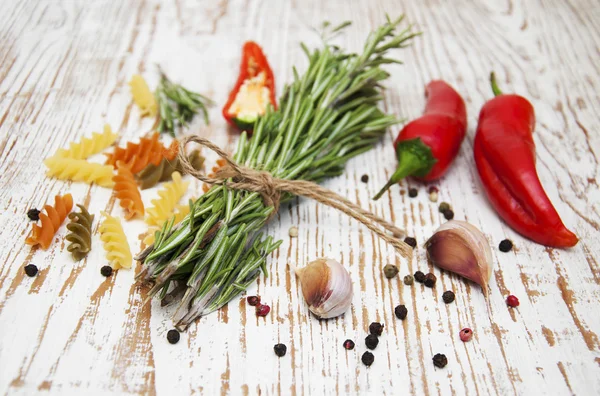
{"points": [[466, 334], [512, 301], [263, 310]]}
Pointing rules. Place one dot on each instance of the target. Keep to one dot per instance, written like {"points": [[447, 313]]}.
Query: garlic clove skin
{"points": [[326, 287], [460, 247]]}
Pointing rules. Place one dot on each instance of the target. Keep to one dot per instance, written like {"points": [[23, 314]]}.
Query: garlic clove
{"points": [[326, 287], [460, 247]]}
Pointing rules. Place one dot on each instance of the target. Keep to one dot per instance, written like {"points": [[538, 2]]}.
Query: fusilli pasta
{"points": [[138, 155], [89, 146], [180, 213], [220, 163], [115, 242], [152, 174], [80, 235], [127, 192], [169, 196], [79, 170], [142, 96], [51, 221]]}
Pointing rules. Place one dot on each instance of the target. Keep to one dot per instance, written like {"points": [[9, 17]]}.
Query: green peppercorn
{"points": [[419, 277], [444, 206], [448, 296], [401, 312], [367, 358], [408, 280], [390, 271]]}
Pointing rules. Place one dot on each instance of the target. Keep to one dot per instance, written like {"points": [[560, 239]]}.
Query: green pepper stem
{"points": [[494, 84], [414, 159]]}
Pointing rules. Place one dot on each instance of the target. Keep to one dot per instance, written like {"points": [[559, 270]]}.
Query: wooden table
{"points": [[64, 68]]}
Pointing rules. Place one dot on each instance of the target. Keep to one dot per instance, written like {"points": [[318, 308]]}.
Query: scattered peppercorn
{"points": [[367, 358], [173, 336], [364, 178], [430, 280], [448, 296], [512, 301], [433, 196], [371, 341], [31, 270], [376, 328], [263, 310], [432, 189], [253, 300], [408, 280], [349, 345], [293, 231], [106, 270], [449, 214], [505, 246], [440, 360], [466, 334], [33, 214], [401, 312], [444, 206], [419, 277], [410, 241], [390, 271], [413, 192], [280, 349]]}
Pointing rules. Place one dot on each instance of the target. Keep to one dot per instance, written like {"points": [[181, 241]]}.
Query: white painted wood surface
{"points": [[63, 72]]}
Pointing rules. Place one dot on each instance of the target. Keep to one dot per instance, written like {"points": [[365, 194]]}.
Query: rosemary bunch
{"points": [[326, 116], [178, 105]]}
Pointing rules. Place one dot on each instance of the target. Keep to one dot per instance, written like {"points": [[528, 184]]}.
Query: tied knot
{"points": [[237, 177]]}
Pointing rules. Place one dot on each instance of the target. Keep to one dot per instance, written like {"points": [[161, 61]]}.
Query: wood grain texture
{"points": [[63, 72]]}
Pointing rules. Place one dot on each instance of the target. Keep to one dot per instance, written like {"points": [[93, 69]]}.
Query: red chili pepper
{"points": [[426, 147], [253, 91], [505, 157]]}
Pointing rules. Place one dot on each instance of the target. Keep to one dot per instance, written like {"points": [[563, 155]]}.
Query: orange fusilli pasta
{"points": [[126, 190], [138, 155], [51, 221]]}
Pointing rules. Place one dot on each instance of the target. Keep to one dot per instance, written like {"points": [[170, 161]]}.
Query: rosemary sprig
{"points": [[326, 116], [178, 105]]}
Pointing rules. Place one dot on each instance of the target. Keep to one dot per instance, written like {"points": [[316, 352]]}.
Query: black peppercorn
{"points": [[413, 192], [253, 300], [448, 214], [401, 312], [390, 271], [371, 341], [444, 206], [280, 349], [33, 214], [31, 270], [349, 345], [505, 246], [173, 336], [376, 328], [408, 280], [364, 178], [419, 277], [367, 358], [448, 296], [106, 270], [430, 280], [410, 241], [440, 360]]}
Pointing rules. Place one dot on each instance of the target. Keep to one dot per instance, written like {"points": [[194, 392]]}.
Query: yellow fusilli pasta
{"points": [[115, 242], [80, 170], [142, 96], [169, 195], [180, 213], [89, 146]]}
